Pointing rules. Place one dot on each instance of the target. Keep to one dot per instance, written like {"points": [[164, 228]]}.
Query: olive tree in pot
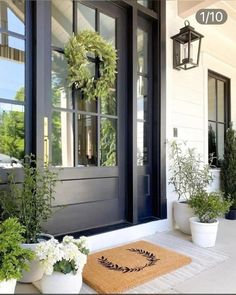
{"points": [[207, 208], [30, 201], [189, 174], [13, 258], [228, 170]]}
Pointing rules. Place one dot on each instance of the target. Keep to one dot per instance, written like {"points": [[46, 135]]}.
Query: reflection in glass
{"points": [[12, 16], [85, 104], [108, 28], [61, 93], [12, 130], [12, 79], [108, 144], [61, 22], [221, 140], [142, 46], [220, 107], [86, 18], [87, 140], [108, 105], [62, 139], [142, 98], [212, 141], [142, 144], [211, 99], [143, 2]]}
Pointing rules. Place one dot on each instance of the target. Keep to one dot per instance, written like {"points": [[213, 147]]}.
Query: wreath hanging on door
{"points": [[77, 50]]}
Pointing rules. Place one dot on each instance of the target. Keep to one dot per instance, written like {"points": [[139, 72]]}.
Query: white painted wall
{"points": [[187, 95]]}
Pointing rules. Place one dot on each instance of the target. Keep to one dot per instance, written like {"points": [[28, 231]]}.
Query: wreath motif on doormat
{"points": [[151, 258], [77, 50]]}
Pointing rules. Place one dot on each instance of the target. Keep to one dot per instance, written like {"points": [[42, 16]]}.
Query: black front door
{"points": [[87, 139]]}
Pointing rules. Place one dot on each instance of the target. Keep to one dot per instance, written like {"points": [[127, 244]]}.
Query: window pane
{"points": [[12, 75], [108, 105], [86, 18], [12, 16], [221, 133], [220, 92], [211, 99], [12, 130], [62, 139], [142, 143], [61, 22], [143, 2], [108, 142], [142, 98], [61, 93], [142, 46], [87, 140], [212, 140], [108, 28]]}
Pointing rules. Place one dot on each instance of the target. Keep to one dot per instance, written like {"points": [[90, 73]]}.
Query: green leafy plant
{"points": [[189, 174], [13, 258], [77, 50], [209, 206], [228, 168], [31, 200]]}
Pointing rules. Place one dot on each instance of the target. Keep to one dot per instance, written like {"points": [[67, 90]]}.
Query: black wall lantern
{"points": [[186, 48]]}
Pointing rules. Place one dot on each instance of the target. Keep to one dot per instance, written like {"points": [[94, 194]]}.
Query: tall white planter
{"points": [[203, 234], [182, 213], [59, 283], [36, 271], [8, 287]]}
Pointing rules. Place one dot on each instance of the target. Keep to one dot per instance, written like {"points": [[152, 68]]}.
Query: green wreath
{"points": [[76, 53]]}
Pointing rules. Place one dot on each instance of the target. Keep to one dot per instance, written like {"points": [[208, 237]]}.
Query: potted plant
{"points": [[30, 201], [207, 208], [189, 174], [13, 258], [228, 170], [63, 264]]}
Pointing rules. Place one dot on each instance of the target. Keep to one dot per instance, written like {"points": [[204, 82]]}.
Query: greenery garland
{"points": [[77, 50]]}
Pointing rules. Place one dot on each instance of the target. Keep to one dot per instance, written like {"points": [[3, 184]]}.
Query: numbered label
{"points": [[211, 16]]}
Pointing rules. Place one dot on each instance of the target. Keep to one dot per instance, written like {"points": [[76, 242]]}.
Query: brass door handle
{"points": [[46, 142]]}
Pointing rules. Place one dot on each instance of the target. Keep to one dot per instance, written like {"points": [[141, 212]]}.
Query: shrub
{"points": [[13, 258], [228, 169], [30, 201], [189, 174], [208, 206]]}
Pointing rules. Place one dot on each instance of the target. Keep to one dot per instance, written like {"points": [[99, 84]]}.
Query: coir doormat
{"points": [[118, 269]]}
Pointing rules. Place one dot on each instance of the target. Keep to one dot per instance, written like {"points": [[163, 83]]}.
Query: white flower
{"points": [[51, 252]]}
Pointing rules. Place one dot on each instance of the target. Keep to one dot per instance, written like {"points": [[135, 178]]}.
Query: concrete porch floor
{"points": [[218, 279]]}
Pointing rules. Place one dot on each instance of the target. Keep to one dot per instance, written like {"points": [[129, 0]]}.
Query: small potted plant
{"points": [[13, 258], [30, 201], [63, 264], [207, 208], [188, 174]]}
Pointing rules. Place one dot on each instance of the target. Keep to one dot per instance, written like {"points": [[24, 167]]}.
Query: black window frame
{"points": [[227, 113]]}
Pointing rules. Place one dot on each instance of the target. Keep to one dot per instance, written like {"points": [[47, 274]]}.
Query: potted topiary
{"points": [[189, 174], [207, 207], [228, 170], [30, 201], [13, 258]]}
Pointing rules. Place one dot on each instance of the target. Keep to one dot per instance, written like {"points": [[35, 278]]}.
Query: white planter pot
{"points": [[8, 287], [203, 234], [59, 283], [182, 213], [36, 271]]}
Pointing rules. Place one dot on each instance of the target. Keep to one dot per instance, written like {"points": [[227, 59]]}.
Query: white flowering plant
{"points": [[68, 256]]}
